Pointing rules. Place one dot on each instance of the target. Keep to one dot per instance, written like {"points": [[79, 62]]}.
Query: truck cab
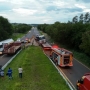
{"points": [[84, 82], [41, 39]]}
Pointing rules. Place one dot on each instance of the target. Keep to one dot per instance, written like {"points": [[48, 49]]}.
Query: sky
{"points": [[42, 11]]}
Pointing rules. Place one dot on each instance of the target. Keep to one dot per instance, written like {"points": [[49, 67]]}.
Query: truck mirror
{"points": [[81, 81]]}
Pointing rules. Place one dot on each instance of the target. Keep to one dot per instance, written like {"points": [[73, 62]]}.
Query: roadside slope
{"points": [[39, 73]]}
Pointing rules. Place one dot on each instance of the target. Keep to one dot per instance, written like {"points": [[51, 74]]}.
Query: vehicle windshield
{"points": [[41, 38], [1, 46]]}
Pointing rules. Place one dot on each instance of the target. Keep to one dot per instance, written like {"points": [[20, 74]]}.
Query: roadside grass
{"points": [[82, 57], [15, 36], [38, 72]]}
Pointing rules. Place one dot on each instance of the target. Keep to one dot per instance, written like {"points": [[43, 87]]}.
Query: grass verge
{"points": [[38, 74], [15, 36]]}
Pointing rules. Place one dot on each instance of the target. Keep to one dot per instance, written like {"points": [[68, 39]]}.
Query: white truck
{"points": [[41, 39]]}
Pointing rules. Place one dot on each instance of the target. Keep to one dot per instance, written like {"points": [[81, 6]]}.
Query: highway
{"points": [[5, 58], [76, 72], [72, 73]]}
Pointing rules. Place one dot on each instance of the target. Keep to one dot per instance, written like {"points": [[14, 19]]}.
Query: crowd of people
{"points": [[9, 73]]}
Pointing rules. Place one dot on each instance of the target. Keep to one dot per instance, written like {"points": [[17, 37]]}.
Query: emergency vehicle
{"points": [[59, 56], [40, 39], [84, 82]]}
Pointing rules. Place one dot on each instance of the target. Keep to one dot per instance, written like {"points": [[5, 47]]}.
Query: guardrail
{"points": [[3, 67], [62, 74]]}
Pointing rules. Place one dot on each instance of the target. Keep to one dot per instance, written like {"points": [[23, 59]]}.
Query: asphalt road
{"points": [[72, 73], [76, 72], [31, 33], [5, 58]]}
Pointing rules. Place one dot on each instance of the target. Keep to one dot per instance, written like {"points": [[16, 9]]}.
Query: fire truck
{"points": [[12, 48], [59, 56], [84, 82]]}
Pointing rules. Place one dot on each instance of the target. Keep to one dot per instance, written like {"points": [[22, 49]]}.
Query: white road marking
{"points": [[82, 64], [2, 56]]}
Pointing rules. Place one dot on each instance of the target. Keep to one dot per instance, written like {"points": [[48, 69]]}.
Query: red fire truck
{"points": [[84, 82], [59, 56]]}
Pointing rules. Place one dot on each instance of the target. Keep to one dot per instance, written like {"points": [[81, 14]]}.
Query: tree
{"points": [[75, 19], [81, 18], [85, 45], [87, 18], [5, 28]]}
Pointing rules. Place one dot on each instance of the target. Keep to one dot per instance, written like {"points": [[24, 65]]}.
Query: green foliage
{"points": [[38, 72], [85, 45], [21, 28], [72, 34], [15, 36], [5, 28]]}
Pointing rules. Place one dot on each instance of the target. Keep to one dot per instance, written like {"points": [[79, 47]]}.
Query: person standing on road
{"points": [[9, 73], [20, 70]]}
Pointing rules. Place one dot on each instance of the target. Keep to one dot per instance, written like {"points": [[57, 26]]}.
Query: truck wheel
{"points": [[56, 63], [77, 87]]}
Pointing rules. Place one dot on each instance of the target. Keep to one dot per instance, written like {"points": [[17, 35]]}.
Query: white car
{"points": [[18, 39]]}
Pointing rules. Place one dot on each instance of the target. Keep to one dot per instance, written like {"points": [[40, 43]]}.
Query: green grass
{"points": [[82, 57], [38, 72], [15, 36]]}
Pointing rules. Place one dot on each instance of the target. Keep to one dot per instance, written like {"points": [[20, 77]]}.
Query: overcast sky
{"points": [[42, 11]]}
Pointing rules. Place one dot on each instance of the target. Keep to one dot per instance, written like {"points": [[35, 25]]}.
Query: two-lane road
{"points": [[76, 72], [73, 74], [5, 58]]}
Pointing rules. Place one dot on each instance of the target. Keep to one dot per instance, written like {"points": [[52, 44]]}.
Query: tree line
{"points": [[7, 29], [74, 34]]}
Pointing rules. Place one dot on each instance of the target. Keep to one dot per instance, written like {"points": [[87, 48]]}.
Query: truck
{"points": [[40, 39], [84, 82], [60, 56], [2, 43], [12, 48]]}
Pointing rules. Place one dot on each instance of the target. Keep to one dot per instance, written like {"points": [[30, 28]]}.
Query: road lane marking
{"points": [[66, 77], [82, 64], [68, 82], [2, 56]]}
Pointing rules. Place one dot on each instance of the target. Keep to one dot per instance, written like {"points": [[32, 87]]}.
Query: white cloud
{"points": [[42, 11], [86, 10], [24, 12], [80, 6]]}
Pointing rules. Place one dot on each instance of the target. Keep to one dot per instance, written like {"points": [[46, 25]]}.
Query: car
{"points": [[18, 39]]}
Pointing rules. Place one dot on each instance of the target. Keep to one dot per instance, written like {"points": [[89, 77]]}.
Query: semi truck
{"points": [[59, 56], [2, 43], [12, 48], [84, 82]]}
